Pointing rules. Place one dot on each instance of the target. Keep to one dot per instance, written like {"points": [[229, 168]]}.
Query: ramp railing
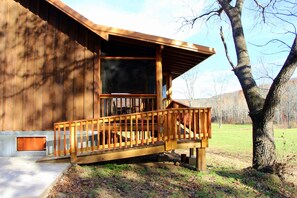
{"points": [[131, 130]]}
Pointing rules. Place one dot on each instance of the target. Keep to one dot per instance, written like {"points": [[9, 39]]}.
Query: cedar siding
{"points": [[47, 64], [56, 65]]}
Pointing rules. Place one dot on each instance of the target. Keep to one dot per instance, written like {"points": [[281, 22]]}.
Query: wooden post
{"points": [[191, 152], [55, 144], [169, 88], [98, 79], [73, 157], [159, 76], [200, 159]]}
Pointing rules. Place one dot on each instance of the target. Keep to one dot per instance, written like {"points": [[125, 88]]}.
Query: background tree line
{"points": [[231, 108]]}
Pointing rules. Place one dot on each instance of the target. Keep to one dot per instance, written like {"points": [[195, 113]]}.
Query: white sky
{"points": [[163, 18]]}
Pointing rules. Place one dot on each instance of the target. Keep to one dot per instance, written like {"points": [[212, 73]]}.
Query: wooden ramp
{"points": [[132, 135]]}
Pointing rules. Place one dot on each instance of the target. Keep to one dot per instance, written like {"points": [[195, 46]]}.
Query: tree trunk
{"points": [[264, 156], [262, 110]]}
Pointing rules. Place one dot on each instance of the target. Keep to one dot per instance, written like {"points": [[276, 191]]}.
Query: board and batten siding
{"points": [[48, 66]]}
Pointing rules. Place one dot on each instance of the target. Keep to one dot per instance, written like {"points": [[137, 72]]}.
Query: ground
{"points": [[227, 175]]}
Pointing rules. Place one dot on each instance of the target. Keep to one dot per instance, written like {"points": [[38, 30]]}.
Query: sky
{"points": [[164, 18]]}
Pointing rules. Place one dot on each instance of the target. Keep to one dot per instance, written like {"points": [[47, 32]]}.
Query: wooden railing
{"points": [[131, 130], [118, 104]]}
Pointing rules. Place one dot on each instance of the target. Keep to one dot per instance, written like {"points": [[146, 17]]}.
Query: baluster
{"points": [[55, 139], [142, 129], [114, 133], [153, 128], [59, 141], [81, 138], [179, 124], [126, 132], [165, 125], [158, 126], [185, 123], [75, 138], [190, 123], [136, 129], [108, 141], [204, 124], [148, 134], [209, 123], [87, 136], [173, 121], [195, 124], [199, 124], [98, 134], [120, 131], [93, 138], [103, 134], [131, 131]]}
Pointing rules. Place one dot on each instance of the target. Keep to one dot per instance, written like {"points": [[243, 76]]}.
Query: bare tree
{"points": [[261, 108], [219, 84], [289, 102], [190, 79]]}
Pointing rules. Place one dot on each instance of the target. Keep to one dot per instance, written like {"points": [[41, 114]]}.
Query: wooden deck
{"points": [[132, 135]]}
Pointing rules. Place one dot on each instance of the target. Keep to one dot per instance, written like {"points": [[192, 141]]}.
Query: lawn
{"points": [[228, 175], [237, 139]]}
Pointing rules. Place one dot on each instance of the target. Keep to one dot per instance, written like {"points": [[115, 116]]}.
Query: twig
{"points": [[226, 48]]}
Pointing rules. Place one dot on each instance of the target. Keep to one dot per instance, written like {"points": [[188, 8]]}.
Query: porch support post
{"points": [[191, 152], [73, 157], [169, 88], [200, 159], [98, 81], [159, 76]]}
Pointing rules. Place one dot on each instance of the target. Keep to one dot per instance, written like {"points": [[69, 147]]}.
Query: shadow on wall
{"points": [[46, 73]]}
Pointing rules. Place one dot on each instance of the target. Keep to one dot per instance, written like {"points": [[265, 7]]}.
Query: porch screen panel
{"points": [[128, 76]]}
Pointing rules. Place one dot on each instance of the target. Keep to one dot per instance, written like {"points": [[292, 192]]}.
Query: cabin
{"points": [[78, 91]]}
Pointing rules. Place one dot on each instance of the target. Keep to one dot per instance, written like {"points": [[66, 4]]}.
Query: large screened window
{"points": [[128, 76]]}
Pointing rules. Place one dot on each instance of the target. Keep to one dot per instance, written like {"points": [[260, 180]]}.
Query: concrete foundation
{"points": [[8, 143]]}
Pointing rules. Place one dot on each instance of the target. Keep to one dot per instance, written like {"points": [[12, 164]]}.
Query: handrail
{"points": [[118, 103], [119, 95], [131, 130]]}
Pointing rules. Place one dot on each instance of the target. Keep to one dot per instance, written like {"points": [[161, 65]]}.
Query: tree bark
{"points": [[264, 156], [261, 110], [263, 135]]}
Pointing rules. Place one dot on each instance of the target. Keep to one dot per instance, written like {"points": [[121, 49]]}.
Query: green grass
{"points": [[236, 139], [228, 156], [168, 180], [232, 138]]}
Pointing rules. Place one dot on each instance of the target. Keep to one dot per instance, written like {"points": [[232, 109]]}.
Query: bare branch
{"points": [[272, 41], [208, 16], [263, 8], [286, 21], [239, 4], [226, 4], [274, 94], [226, 48]]}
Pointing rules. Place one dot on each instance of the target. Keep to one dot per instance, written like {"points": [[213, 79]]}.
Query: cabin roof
{"points": [[178, 56]]}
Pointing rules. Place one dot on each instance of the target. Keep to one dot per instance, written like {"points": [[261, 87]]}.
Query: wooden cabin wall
{"points": [[47, 64]]}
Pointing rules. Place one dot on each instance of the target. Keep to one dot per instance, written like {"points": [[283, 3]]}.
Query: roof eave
{"points": [[104, 32]]}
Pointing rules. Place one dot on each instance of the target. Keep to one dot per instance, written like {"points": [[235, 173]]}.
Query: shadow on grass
{"points": [[144, 177], [156, 180], [263, 183]]}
